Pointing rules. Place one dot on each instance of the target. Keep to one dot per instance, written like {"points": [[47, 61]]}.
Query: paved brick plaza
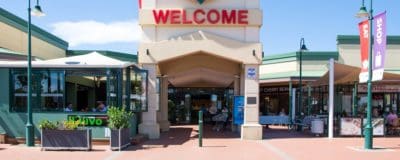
{"points": [[181, 144]]}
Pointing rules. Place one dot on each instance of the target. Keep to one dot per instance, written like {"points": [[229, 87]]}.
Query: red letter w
{"points": [[161, 16]]}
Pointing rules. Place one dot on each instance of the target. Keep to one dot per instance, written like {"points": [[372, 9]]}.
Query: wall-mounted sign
{"points": [[89, 120], [251, 100], [380, 88], [200, 16], [251, 73], [274, 89]]}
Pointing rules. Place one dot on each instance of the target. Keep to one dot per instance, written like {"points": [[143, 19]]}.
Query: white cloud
{"points": [[93, 32]]}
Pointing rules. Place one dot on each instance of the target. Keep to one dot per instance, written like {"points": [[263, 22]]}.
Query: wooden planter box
{"points": [[66, 139], [120, 138]]}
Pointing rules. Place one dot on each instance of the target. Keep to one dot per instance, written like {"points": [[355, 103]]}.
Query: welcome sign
{"points": [[200, 16]]}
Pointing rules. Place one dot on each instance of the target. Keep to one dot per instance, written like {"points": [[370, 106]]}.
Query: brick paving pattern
{"points": [[181, 143]]}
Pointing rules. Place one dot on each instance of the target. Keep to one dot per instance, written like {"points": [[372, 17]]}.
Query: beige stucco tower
{"points": [[200, 43]]}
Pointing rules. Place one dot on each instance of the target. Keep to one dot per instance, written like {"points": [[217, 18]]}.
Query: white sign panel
{"points": [[251, 73]]}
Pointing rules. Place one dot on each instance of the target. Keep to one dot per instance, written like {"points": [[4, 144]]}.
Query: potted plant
{"points": [[118, 122], [65, 136]]}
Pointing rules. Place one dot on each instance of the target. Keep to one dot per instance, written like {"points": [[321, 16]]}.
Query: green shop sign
{"points": [[90, 120]]}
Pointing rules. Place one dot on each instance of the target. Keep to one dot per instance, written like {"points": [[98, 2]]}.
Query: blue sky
{"points": [[285, 22]]}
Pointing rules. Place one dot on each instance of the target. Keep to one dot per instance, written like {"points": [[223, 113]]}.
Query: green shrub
{"points": [[71, 125], [48, 125], [65, 125], [118, 118]]}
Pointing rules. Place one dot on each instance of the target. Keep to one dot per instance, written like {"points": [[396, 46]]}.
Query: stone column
{"points": [[236, 92], [236, 86], [251, 129], [163, 113], [149, 125]]}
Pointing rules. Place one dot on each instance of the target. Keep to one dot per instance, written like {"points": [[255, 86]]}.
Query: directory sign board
{"points": [[238, 110]]}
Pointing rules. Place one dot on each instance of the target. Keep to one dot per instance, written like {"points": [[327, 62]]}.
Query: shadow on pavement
{"points": [[179, 135], [282, 132], [209, 133], [176, 136]]}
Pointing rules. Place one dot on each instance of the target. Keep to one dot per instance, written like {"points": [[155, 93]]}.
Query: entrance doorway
{"points": [[185, 103], [82, 97]]}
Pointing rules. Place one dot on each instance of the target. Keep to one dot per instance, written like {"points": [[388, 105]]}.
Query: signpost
{"points": [[238, 110], [200, 128]]}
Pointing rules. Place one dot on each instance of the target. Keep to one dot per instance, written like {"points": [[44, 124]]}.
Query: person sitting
{"points": [[85, 109], [392, 119], [68, 108], [213, 110], [101, 107], [225, 111], [282, 112], [375, 113]]}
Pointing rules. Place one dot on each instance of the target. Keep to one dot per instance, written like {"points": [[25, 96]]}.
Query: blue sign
{"points": [[251, 73], [238, 110]]}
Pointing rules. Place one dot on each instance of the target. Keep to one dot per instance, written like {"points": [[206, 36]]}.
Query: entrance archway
{"points": [[194, 82], [201, 60]]}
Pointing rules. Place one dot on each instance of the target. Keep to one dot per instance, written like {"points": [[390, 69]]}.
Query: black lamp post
{"points": [[303, 48], [37, 11]]}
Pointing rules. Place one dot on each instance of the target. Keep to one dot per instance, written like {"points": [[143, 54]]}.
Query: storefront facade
{"points": [[81, 82], [200, 44], [280, 90], [56, 82]]}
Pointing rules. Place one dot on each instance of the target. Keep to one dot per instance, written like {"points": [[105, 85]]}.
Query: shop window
{"points": [[112, 88], [138, 91], [52, 90], [47, 90]]}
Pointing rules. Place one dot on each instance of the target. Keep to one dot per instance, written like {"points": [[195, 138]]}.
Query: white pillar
{"points": [[236, 92], [149, 125], [293, 104], [251, 129], [163, 113], [331, 98], [236, 86]]}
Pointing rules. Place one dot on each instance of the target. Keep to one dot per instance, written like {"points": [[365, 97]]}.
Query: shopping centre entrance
{"points": [[185, 103], [198, 81], [200, 53]]}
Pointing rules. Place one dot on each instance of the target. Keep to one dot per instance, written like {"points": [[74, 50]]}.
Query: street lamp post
{"points": [[303, 48], [37, 11], [368, 144]]}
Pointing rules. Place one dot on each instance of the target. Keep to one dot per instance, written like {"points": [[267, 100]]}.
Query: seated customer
{"points": [[213, 110], [101, 107], [392, 119], [68, 108], [375, 113], [282, 112]]}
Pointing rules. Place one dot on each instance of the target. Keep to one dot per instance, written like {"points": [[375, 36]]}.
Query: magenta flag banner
{"points": [[379, 46]]}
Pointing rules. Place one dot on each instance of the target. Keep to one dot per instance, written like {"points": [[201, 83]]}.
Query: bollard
{"points": [[200, 128]]}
